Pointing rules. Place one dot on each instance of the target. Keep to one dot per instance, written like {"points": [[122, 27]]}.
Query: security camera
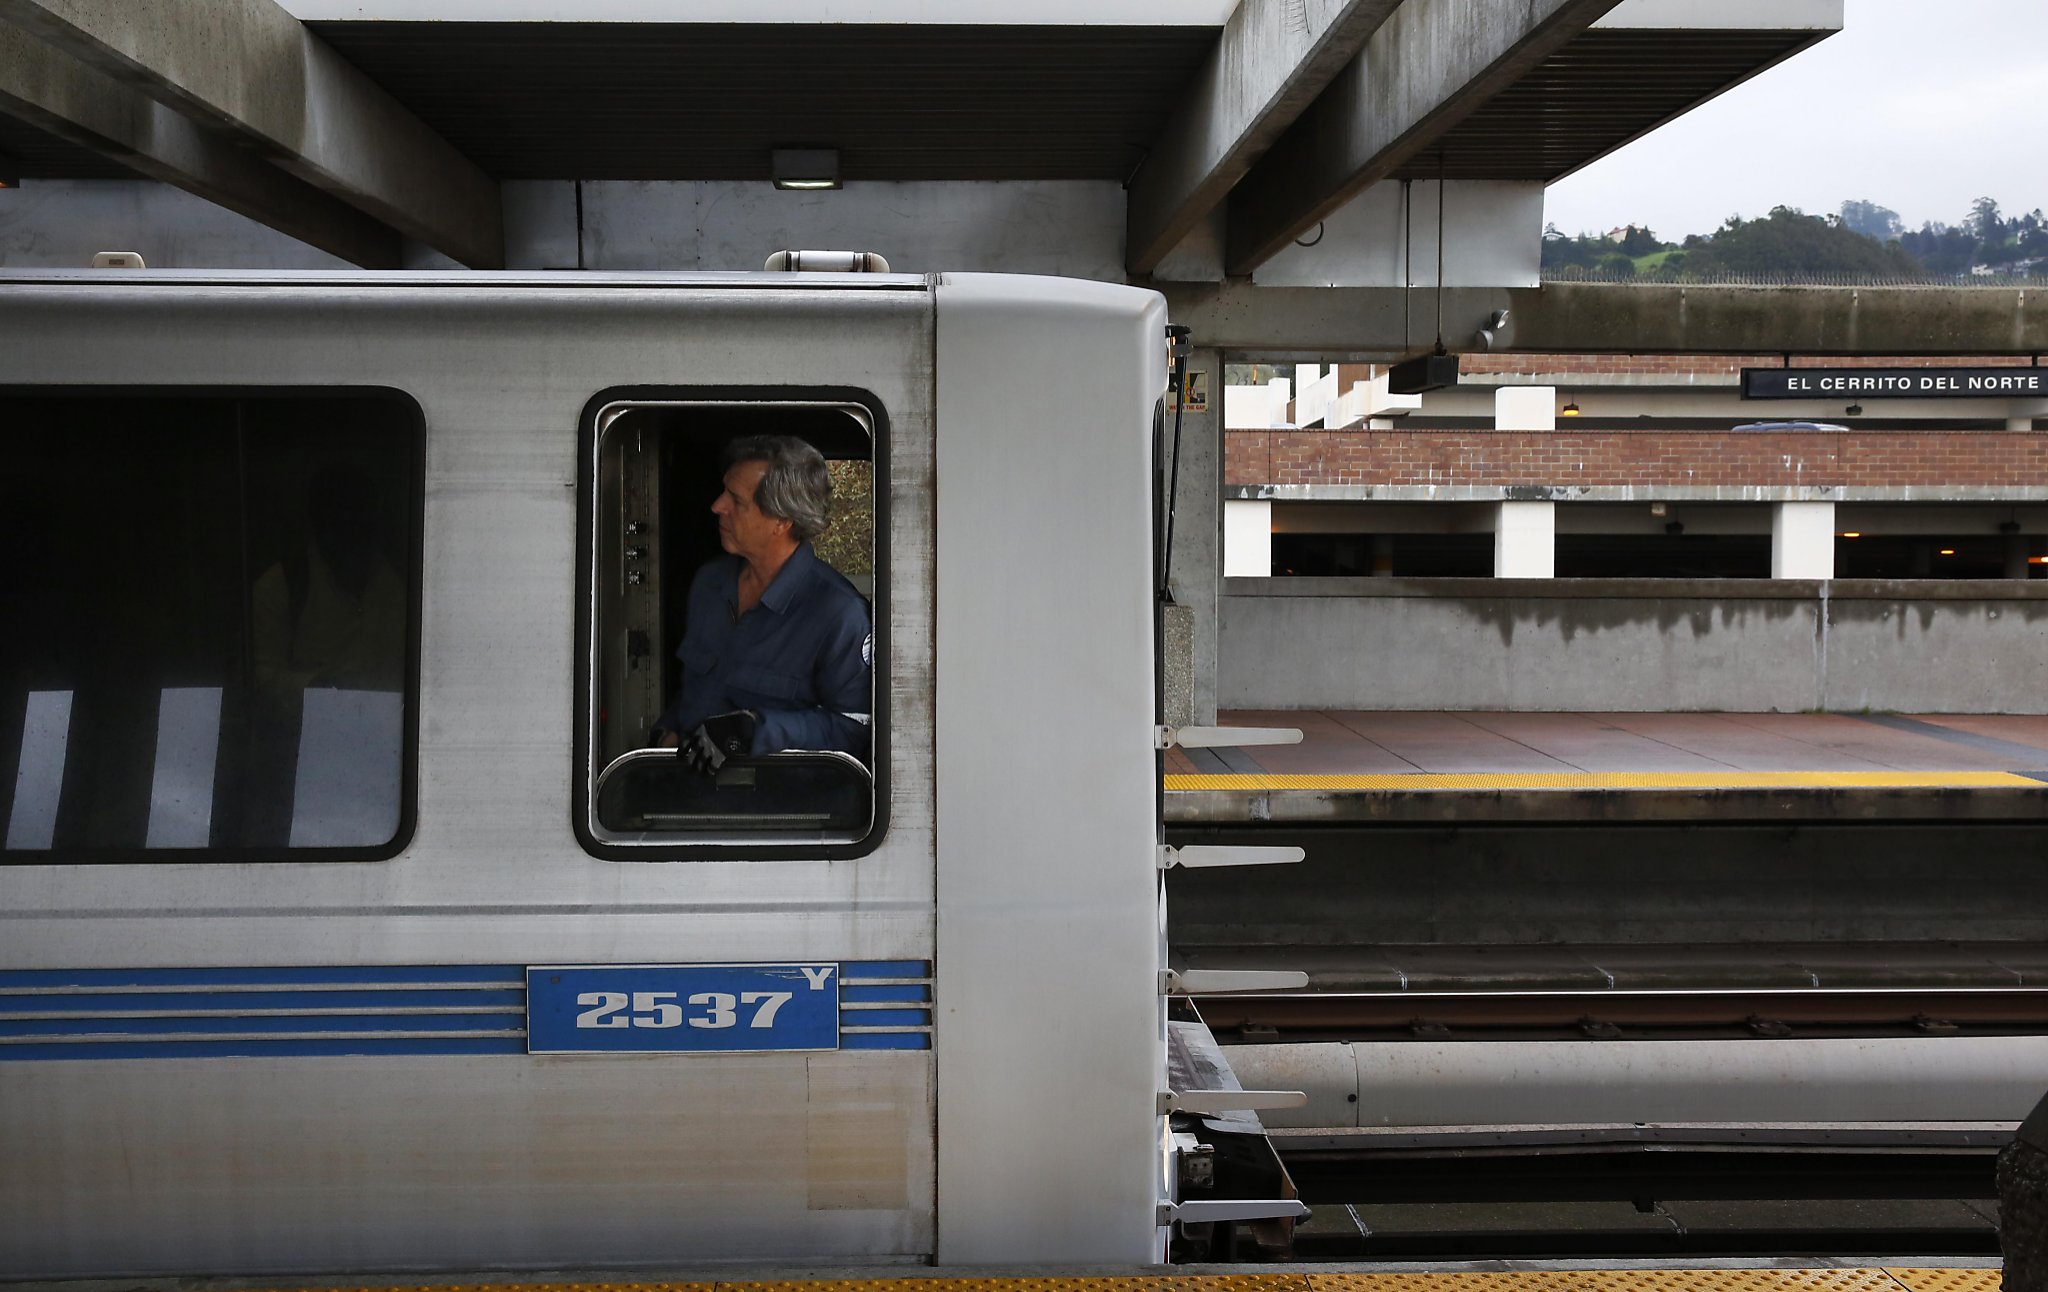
{"points": [[1483, 338]]}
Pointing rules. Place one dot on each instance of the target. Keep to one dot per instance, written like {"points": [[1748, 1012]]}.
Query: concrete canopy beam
{"points": [[51, 90], [1273, 58], [1424, 70], [252, 70], [1378, 323]]}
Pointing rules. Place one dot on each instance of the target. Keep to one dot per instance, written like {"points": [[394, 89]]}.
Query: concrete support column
{"points": [[1247, 540], [1525, 533], [1525, 408], [1803, 540], [1198, 540], [1525, 541]]}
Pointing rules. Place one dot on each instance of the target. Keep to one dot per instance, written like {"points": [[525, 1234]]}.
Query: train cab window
{"points": [[732, 590], [211, 607]]}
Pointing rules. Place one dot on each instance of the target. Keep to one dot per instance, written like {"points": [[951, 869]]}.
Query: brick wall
{"points": [[1588, 369], [1669, 457]]}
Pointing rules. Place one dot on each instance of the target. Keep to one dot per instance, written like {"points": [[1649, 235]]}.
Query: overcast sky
{"points": [[1913, 105]]}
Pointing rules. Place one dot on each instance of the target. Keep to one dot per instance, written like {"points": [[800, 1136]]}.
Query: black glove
{"points": [[717, 738]]}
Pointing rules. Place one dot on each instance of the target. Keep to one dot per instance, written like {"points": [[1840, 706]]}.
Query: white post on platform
{"points": [[1803, 540], [1525, 540], [1247, 540]]}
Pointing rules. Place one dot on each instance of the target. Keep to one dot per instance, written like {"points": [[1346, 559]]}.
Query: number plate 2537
{"points": [[691, 1009]]}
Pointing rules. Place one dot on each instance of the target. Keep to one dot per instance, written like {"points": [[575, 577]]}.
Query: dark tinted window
{"points": [[1922, 556], [210, 613], [1663, 556], [1407, 556]]}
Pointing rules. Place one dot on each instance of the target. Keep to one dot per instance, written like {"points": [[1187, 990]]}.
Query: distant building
{"points": [[1631, 466]]}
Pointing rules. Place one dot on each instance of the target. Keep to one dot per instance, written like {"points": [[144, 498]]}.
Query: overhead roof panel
{"points": [[1606, 87], [1088, 13], [709, 101]]}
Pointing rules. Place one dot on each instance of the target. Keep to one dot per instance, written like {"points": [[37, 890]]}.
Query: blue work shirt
{"points": [[800, 658]]}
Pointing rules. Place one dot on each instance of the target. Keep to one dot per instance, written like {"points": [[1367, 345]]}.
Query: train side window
{"points": [[666, 646], [211, 601]]}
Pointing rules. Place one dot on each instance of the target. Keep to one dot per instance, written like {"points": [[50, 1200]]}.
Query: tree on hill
{"points": [[1986, 237], [1945, 251], [1606, 256], [1984, 221], [2032, 239], [1639, 241], [1789, 241], [1865, 240], [1872, 221], [1561, 251]]}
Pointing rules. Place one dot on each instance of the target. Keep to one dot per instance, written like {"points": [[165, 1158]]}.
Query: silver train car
{"points": [[345, 922]]}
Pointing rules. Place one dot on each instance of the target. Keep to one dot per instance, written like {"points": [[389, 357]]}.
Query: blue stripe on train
{"points": [[908, 991], [511, 1021], [291, 975], [886, 1041], [885, 1018], [165, 1002], [484, 998], [257, 1048]]}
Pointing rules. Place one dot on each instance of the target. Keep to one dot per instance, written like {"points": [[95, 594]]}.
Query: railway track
{"points": [[1626, 1014], [1764, 1188]]}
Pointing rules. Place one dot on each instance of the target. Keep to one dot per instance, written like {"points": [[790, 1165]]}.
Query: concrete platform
{"points": [[1491, 1276], [1474, 767]]}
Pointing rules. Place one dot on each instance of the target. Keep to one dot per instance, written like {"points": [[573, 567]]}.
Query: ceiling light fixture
{"points": [[1854, 410], [805, 169], [1569, 410]]}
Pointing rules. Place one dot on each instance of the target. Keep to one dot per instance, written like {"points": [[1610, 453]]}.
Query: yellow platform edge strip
{"points": [[1970, 1279], [1435, 782]]}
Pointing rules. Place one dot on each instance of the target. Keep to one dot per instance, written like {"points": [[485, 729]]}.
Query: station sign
{"points": [[1895, 383]]}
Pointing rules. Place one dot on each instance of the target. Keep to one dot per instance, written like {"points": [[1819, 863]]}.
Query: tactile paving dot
{"points": [[1752, 1280], [1970, 1280], [1633, 1280], [524, 1287], [1630, 1280], [1136, 1283], [1521, 1281]]}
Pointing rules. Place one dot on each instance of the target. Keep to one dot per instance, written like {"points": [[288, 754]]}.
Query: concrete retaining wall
{"points": [[1634, 645]]}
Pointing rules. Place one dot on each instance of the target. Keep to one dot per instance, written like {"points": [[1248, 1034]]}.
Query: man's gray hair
{"points": [[797, 487]]}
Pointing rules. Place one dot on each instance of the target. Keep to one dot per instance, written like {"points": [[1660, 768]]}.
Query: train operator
{"points": [[777, 647]]}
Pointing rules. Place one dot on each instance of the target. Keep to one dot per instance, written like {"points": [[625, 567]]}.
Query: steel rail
{"points": [[1763, 1011]]}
